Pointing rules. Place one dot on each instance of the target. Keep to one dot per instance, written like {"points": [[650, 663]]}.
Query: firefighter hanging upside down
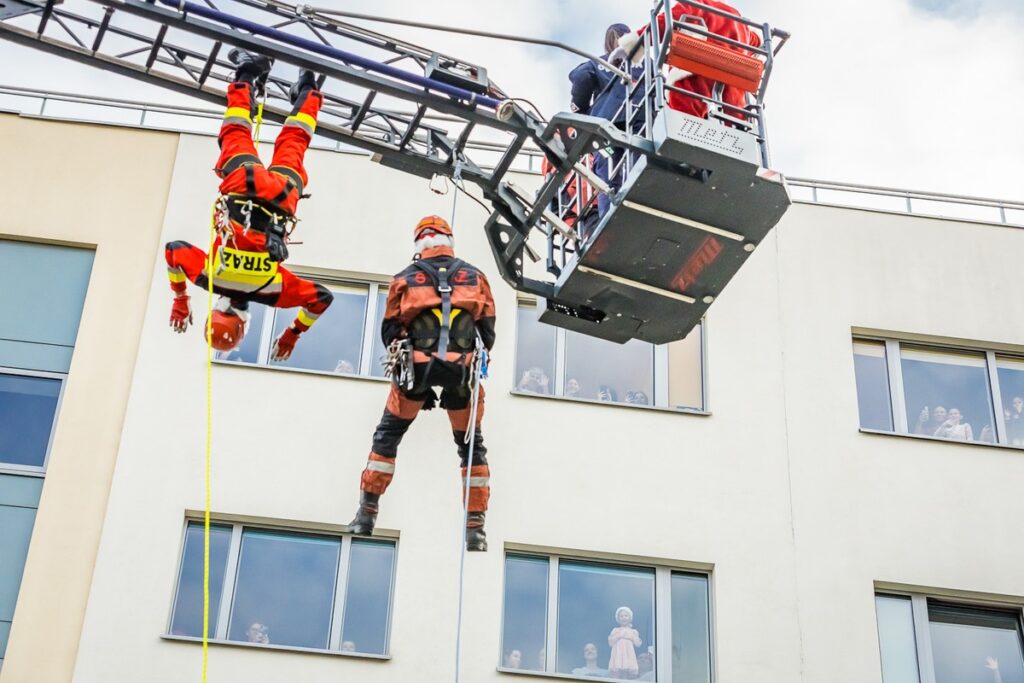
{"points": [[437, 310], [254, 216]]}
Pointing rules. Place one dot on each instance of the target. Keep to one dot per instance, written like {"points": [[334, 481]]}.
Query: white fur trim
{"points": [[436, 239], [223, 305], [674, 75], [627, 41]]}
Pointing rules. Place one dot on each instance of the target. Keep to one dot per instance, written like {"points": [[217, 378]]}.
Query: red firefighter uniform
{"points": [[718, 25], [413, 312], [247, 262]]}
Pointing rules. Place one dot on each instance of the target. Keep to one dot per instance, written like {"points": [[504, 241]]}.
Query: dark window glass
{"points": [[535, 353], [368, 598], [947, 394], [28, 406], [1011, 386], [605, 619], [872, 385], [524, 628], [335, 342], [249, 350], [188, 605], [606, 371], [691, 638], [896, 640], [284, 592], [975, 646]]}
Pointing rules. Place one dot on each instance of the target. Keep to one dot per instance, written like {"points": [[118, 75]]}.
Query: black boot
{"points": [[366, 516], [252, 69], [476, 537], [305, 81]]}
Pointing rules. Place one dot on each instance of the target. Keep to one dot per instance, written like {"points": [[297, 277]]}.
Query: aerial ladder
{"points": [[697, 195]]}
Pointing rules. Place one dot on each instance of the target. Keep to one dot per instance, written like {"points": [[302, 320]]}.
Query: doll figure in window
{"points": [[624, 639]]}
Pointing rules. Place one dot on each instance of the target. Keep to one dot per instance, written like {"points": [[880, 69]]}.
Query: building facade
{"points": [[776, 498]]}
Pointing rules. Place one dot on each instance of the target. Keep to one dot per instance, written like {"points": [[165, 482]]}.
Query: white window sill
{"points": [[925, 437], [610, 404], [552, 674], [22, 471], [283, 648], [302, 371]]}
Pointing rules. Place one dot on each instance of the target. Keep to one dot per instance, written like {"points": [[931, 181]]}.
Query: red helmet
{"points": [[228, 329], [432, 223]]}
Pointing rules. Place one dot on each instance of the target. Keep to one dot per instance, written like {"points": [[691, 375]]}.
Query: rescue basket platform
{"points": [[671, 241]]}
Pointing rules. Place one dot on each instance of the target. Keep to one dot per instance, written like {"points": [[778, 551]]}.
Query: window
{"points": [[35, 355], [341, 342], [872, 385], [28, 412], [58, 278], [1010, 372], [591, 619], [19, 498], [556, 362], [946, 393], [298, 590], [925, 640]]}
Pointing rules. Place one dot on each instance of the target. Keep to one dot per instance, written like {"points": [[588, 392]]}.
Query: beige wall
{"points": [[888, 509], [714, 489], [798, 513], [102, 188]]}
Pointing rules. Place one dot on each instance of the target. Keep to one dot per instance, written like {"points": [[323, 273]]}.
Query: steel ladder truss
{"points": [[182, 45]]}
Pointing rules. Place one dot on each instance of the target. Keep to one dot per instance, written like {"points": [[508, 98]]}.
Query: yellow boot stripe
{"points": [[238, 113], [303, 120]]}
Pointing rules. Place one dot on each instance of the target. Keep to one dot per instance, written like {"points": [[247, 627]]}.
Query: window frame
{"points": [[34, 470], [921, 623], [374, 288], [227, 596], [897, 404], [663, 572], [659, 367]]}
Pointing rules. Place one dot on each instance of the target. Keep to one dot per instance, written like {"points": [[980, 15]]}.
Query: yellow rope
{"points": [[209, 411], [209, 431], [259, 119]]}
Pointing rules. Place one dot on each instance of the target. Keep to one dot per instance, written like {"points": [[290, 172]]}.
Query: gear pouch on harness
{"points": [[425, 331]]}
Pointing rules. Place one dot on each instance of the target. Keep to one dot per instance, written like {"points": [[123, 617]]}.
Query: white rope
{"points": [[471, 438], [465, 509]]}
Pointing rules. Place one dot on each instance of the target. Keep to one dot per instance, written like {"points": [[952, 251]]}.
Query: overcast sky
{"points": [[924, 94]]}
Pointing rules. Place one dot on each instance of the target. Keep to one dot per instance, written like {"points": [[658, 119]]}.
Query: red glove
{"points": [[181, 313], [285, 344]]}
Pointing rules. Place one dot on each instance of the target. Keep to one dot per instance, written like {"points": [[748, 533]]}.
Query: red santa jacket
{"points": [[717, 25]]}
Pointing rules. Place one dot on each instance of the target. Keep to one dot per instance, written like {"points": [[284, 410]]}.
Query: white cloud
{"points": [[925, 94]]}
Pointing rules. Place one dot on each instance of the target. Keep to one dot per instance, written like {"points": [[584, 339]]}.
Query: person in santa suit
{"points": [[714, 23]]}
